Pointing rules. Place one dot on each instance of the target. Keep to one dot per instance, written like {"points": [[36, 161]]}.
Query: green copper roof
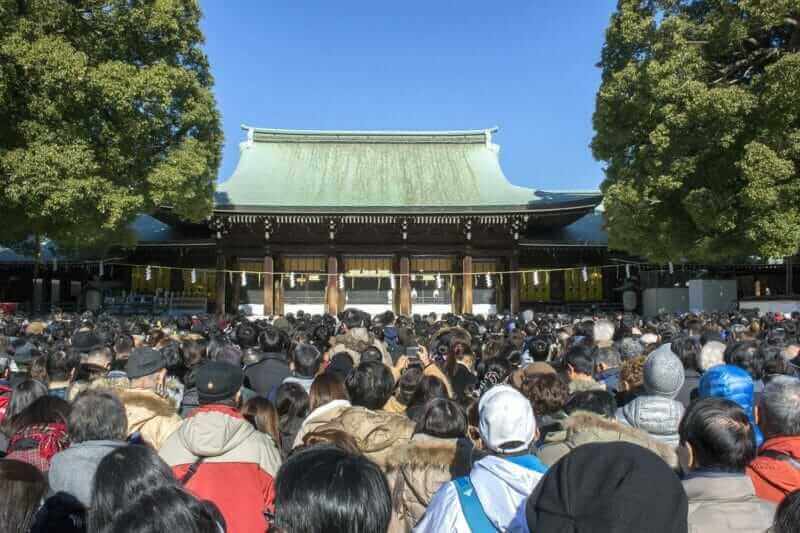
{"points": [[312, 169]]}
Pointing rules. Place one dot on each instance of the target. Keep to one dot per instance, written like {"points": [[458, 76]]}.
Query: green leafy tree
{"points": [[698, 122], [106, 112]]}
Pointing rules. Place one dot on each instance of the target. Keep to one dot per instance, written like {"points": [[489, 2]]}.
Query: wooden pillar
{"points": [[220, 280], [405, 286], [236, 286], [513, 284], [467, 283], [332, 294], [269, 289]]}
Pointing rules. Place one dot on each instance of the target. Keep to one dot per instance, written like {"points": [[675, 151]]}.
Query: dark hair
{"points": [[168, 508], [547, 393], [121, 476], [24, 393], [745, 355], [371, 354], [194, 354], [443, 418], [720, 434], [458, 350], [22, 487], [291, 403], [599, 402], [60, 364], [429, 387], [580, 359], [271, 339], [44, 410], [306, 359], [370, 385], [97, 415], [787, 517], [687, 349], [324, 488], [325, 389], [407, 384], [260, 412]]}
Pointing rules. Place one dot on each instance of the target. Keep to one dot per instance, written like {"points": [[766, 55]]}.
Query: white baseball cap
{"points": [[506, 418]]}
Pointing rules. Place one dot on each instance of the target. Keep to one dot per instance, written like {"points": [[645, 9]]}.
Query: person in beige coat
{"points": [[716, 445], [327, 400], [151, 415]]}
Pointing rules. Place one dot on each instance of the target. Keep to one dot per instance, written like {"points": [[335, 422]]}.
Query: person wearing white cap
{"points": [[488, 498]]}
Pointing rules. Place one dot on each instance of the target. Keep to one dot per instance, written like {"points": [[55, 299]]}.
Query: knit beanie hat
{"points": [[663, 373], [614, 486]]}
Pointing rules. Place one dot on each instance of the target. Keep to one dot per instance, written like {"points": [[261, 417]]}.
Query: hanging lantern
{"points": [[148, 273], [627, 271], [244, 279], [671, 268], [389, 295], [489, 281], [413, 294], [585, 274], [194, 276], [341, 281], [438, 281], [392, 282], [102, 269], [291, 280], [536, 277], [436, 293]]}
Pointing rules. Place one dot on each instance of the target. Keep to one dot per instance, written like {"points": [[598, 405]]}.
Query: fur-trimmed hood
{"points": [[153, 416], [584, 427], [424, 451]]}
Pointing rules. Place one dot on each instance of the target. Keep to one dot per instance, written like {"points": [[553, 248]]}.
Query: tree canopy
{"points": [[698, 122], [107, 112]]}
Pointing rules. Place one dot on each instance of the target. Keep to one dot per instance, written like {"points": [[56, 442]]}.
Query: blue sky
{"points": [[526, 66]]}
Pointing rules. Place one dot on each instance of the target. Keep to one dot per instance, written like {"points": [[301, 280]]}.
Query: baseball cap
{"points": [[506, 420], [218, 380]]}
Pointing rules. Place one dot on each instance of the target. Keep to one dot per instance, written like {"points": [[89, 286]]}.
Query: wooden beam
{"points": [[269, 289], [405, 286], [467, 284], [332, 294]]}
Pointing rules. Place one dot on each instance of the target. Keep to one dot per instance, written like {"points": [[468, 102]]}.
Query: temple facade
{"points": [[410, 221]]}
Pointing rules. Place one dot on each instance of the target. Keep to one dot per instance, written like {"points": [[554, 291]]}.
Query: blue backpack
{"points": [[471, 506]]}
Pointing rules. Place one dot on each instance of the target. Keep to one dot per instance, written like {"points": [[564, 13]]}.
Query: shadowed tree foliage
{"points": [[106, 111], [698, 122]]}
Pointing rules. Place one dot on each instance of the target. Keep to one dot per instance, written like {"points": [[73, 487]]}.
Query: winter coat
{"points": [[355, 341], [190, 402], [319, 416], [415, 473], [238, 465], [734, 384], [726, 503], [378, 434], [656, 415], [689, 390], [152, 416], [586, 428], [72, 470], [501, 487], [580, 385], [775, 477], [267, 374]]}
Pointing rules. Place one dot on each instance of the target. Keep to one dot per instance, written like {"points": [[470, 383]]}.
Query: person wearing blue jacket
{"points": [[734, 384]]}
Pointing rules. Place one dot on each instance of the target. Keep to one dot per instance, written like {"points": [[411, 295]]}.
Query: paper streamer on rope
{"points": [[536, 277], [489, 280], [291, 280], [148, 273], [671, 268], [438, 281], [392, 282], [585, 274], [627, 271], [101, 269], [341, 281], [194, 276], [244, 279]]}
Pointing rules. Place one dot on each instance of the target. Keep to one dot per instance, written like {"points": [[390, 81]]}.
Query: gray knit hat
{"points": [[663, 372]]}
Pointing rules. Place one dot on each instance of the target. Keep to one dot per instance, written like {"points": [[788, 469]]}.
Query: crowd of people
{"points": [[369, 424]]}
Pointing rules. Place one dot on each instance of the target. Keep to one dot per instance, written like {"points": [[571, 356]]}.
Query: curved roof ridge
{"points": [[376, 133]]}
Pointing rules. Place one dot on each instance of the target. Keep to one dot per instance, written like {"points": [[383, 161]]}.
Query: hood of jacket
{"points": [[501, 486], [143, 405], [424, 451], [656, 415], [583, 427], [734, 384], [214, 430]]}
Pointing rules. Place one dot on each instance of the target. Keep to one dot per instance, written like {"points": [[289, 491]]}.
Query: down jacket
{"points": [[152, 416], [726, 503], [655, 415], [238, 465], [734, 384], [585, 428]]}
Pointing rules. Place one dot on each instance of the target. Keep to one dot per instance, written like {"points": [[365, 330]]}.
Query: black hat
{"points": [[143, 362], [218, 380], [85, 341], [615, 486]]}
